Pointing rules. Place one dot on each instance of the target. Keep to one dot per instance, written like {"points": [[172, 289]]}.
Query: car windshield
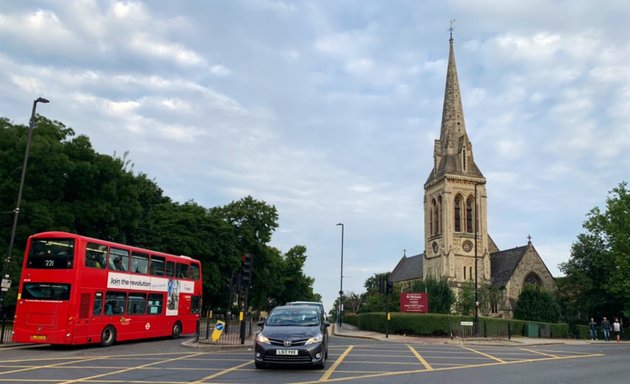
{"points": [[293, 317]]}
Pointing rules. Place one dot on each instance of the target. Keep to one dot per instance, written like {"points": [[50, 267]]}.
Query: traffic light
{"points": [[246, 269], [381, 284], [390, 287]]}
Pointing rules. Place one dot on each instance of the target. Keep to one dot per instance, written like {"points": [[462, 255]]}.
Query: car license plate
{"points": [[38, 337], [286, 352]]}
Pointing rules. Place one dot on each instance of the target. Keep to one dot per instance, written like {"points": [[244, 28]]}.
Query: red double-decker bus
{"points": [[79, 290]]}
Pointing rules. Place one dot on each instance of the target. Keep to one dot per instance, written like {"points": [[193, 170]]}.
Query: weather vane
{"points": [[452, 27]]}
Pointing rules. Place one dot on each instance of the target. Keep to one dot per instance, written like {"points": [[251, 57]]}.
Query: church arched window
{"points": [[458, 213], [433, 217], [532, 278], [439, 215], [469, 214]]}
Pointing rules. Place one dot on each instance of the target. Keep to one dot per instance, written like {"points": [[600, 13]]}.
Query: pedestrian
{"points": [[606, 328], [617, 329], [593, 329]]}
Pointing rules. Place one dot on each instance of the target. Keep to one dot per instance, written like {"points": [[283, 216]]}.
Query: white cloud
{"points": [[220, 70], [165, 50]]}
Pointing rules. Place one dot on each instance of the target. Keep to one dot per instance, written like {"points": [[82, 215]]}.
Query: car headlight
{"points": [[260, 338], [314, 339]]}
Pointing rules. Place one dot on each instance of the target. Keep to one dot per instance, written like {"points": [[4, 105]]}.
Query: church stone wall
{"points": [[531, 262]]}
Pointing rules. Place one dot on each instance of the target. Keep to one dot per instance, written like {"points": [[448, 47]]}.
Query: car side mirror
{"points": [[260, 323], [326, 324]]}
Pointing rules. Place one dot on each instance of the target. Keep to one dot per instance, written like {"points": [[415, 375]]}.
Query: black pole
{"points": [[476, 325], [5, 265], [243, 314], [387, 314], [340, 311]]}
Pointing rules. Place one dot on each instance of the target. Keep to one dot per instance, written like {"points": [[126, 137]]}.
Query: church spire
{"points": [[453, 151], [453, 112]]}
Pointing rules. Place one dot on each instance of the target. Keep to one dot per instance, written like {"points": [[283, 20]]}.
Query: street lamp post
{"points": [[476, 286], [340, 281], [5, 277]]}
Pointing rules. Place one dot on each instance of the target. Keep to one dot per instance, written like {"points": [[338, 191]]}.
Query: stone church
{"points": [[456, 240]]}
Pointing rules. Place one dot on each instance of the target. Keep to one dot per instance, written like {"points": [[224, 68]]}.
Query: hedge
{"points": [[433, 324]]}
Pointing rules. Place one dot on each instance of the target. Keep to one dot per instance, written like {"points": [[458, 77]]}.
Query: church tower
{"points": [[455, 211]]}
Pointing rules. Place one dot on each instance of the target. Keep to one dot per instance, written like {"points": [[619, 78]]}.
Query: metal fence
{"points": [[231, 334], [484, 329], [6, 330]]}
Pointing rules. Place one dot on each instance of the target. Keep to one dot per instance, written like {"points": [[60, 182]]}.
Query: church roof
{"points": [[408, 268], [492, 246], [504, 263]]}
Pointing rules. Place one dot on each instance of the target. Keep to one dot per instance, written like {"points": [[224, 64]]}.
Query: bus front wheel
{"points": [[108, 336], [177, 330]]}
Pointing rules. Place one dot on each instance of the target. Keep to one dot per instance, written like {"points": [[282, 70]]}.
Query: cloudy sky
{"points": [[329, 109]]}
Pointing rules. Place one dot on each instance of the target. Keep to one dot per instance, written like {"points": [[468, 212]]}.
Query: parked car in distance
{"points": [[295, 334], [311, 303]]}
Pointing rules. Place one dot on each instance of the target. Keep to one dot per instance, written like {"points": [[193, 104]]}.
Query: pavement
{"points": [[348, 330]]}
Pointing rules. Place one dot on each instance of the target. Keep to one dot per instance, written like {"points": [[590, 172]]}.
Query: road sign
{"points": [[218, 330], [5, 285]]}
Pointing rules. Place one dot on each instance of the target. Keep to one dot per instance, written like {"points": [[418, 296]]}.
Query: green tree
{"points": [[298, 286], [441, 296], [376, 301], [536, 304], [465, 304], [598, 273]]}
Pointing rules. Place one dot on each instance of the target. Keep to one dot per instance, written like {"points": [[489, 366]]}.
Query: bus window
{"points": [[139, 262], [182, 271], [157, 265], [98, 304], [115, 303], [118, 259], [46, 291], [136, 304], [170, 269], [194, 271], [95, 255], [156, 301], [51, 254]]}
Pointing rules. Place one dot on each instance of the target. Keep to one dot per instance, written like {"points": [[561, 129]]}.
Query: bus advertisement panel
{"points": [[79, 290]]}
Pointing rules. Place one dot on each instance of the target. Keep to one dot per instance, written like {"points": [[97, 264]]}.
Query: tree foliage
{"points": [[536, 304], [597, 281], [70, 187], [441, 296]]}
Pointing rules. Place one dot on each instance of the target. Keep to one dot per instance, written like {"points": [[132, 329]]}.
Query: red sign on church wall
{"points": [[414, 302]]}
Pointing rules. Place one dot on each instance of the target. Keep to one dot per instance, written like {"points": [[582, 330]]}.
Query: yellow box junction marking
{"points": [[332, 369], [539, 353], [90, 378], [223, 372], [422, 360], [484, 354]]}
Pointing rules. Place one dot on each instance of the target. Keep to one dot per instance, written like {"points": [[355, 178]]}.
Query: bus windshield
{"points": [[51, 254]]}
